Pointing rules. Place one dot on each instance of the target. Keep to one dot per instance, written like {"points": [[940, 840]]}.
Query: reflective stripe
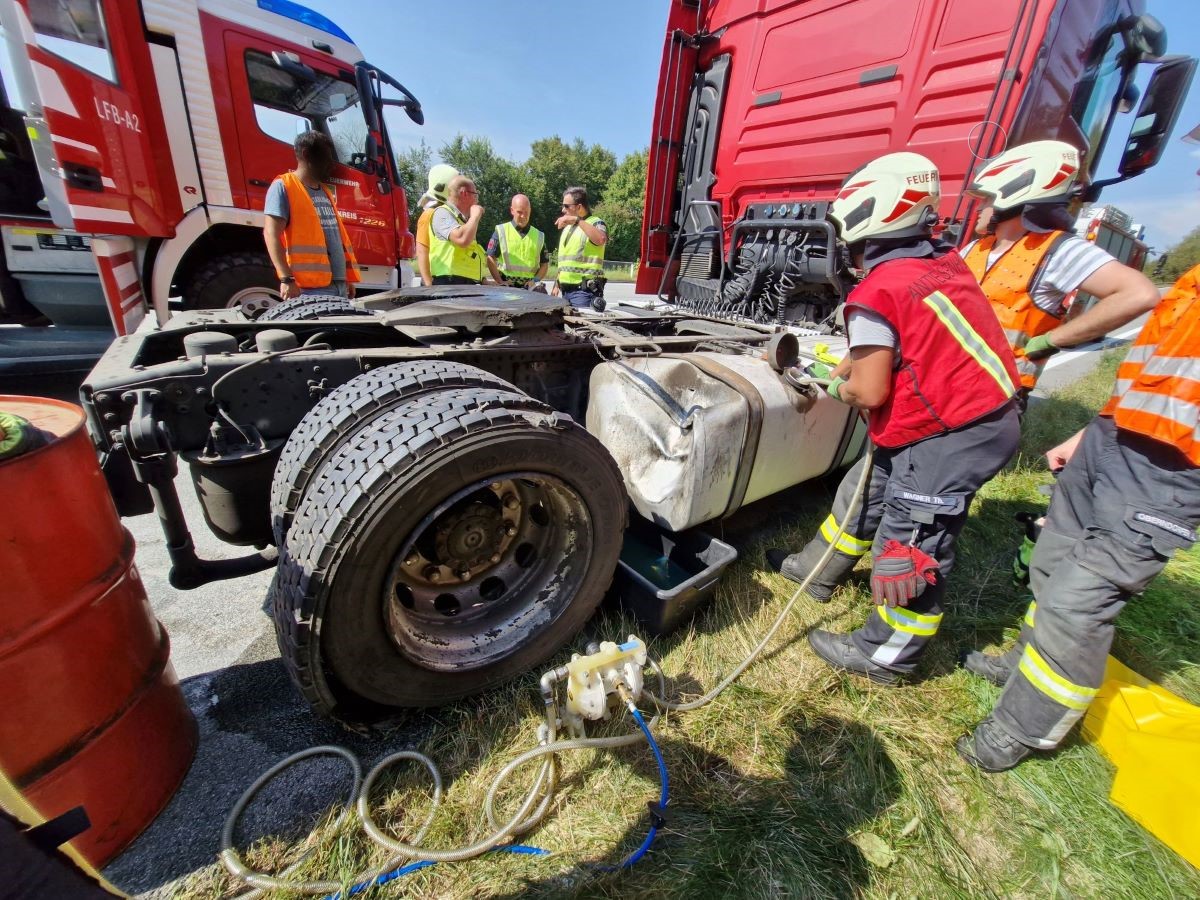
{"points": [[309, 267], [1038, 672], [1178, 366], [1016, 337], [1029, 613], [1182, 412], [1026, 367], [890, 651], [306, 248], [847, 543], [1122, 385], [969, 340], [1139, 353], [909, 622]]}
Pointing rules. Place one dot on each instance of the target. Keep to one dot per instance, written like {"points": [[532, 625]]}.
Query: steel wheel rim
{"points": [[486, 570], [254, 301]]}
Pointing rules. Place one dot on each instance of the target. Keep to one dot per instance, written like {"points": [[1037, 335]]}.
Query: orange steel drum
{"points": [[92, 710]]}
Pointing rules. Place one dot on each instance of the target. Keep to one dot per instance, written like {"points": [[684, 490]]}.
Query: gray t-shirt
{"points": [[444, 222], [277, 205]]}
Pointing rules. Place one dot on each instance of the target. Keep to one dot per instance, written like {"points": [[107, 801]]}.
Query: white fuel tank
{"points": [[699, 435]]}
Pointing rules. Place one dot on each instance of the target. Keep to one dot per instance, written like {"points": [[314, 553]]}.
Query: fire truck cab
{"points": [[150, 130]]}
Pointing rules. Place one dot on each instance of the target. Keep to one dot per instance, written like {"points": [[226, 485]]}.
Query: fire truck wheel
{"points": [[244, 281], [449, 544], [326, 426]]}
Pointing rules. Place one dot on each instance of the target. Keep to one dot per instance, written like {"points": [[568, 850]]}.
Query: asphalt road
{"points": [[223, 649]]}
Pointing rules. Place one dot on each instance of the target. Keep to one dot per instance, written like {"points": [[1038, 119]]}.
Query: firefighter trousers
{"points": [[917, 494], [1122, 506]]}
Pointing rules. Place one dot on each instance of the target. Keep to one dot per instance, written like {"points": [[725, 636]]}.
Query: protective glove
{"points": [[834, 388], [1040, 347], [817, 370], [901, 573]]}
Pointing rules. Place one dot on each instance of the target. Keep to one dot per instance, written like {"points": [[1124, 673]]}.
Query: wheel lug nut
{"points": [[432, 574], [495, 557], [411, 559], [510, 501], [510, 529], [464, 574]]}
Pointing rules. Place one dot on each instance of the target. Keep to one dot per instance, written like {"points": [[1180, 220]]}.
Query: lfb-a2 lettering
{"points": [[123, 117]]}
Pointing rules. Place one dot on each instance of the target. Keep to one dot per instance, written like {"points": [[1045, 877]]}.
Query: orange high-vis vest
{"points": [[1157, 393], [1006, 285], [304, 239]]}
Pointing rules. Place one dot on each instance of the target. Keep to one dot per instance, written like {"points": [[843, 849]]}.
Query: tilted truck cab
{"points": [[763, 109]]}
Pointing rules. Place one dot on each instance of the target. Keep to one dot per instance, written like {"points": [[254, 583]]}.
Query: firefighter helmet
{"points": [[439, 179], [1040, 173], [890, 197]]}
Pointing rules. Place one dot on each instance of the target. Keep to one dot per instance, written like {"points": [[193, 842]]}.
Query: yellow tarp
{"points": [[1153, 738]]}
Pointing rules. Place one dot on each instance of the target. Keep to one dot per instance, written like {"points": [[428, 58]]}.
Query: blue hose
{"points": [[425, 864], [656, 814]]}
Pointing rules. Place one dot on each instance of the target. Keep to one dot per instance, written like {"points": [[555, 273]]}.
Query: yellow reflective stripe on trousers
{"points": [[905, 620], [969, 339], [1038, 673], [1029, 613], [847, 543]]}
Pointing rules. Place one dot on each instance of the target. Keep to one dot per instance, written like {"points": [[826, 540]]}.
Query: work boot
{"points": [[990, 748], [994, 667], [841, 653], [792, 567]]}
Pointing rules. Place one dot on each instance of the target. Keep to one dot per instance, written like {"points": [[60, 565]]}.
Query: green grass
{"points": [[799, 782]]}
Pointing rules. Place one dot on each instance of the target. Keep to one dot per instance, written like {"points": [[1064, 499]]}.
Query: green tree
{"points": [[1181, 257], [621, 208], [496, 178], [413, 165], [553, 165]]}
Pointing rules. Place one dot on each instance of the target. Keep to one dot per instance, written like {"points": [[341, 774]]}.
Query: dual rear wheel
{"points": [[440, 532]]}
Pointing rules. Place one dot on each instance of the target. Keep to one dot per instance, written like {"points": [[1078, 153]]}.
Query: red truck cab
{"points": [[765, 107]]}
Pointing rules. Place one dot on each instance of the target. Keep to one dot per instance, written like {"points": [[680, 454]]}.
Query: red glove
{"points": [[901, 573]]}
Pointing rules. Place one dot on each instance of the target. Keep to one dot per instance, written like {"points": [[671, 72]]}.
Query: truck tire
{"points": [[325, 427], [244, 281], [369, 612], [311, 307]]}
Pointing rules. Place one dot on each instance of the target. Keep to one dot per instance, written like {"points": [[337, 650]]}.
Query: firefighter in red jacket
{"points": [[929, 363]]}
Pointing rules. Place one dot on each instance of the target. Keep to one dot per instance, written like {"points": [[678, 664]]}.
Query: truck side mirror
{"points": [[1157, 115]]}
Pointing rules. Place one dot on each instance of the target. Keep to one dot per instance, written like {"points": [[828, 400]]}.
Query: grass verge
{"points": [[799, 782]]}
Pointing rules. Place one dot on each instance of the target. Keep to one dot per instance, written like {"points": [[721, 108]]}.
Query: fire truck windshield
{"points": [[287, 103]]}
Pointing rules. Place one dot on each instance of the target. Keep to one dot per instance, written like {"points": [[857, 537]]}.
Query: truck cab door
{"points": [[94, 118], [281, 90]]}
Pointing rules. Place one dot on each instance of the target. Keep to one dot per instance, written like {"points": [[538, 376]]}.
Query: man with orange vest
{"points": [[1128, 498], [1030, 263], [304, 233], [929, 363]]}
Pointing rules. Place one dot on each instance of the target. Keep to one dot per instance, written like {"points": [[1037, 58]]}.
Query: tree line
{"points": [[616, 190], [1176, 259]]}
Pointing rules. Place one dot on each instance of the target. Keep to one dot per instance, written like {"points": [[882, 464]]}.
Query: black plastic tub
{"points": [[665, 577]]}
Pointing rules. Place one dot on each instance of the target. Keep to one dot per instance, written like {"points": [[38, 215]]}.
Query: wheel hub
{"points": [[470, 538]]}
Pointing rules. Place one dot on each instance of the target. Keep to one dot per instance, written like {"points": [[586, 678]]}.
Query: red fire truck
{"points": [[764, 108], [156, 127]]}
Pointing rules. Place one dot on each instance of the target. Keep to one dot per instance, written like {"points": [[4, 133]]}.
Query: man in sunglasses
{"points": [[580, 251], [455, 257]]}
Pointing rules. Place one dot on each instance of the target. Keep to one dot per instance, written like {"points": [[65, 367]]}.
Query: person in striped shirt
{"points": [[1030, 263]]}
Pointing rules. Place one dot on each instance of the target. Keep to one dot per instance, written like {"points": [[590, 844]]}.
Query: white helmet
{"points": [[439, 180], [1040, 172], [893, 196]]}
